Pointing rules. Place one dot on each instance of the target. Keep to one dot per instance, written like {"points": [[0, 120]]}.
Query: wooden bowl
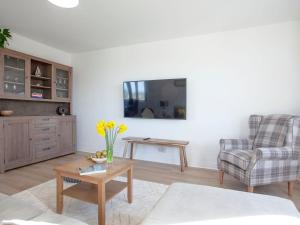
{"points": [[6, 112]]}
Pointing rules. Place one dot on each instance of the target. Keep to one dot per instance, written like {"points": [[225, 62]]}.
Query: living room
{"points": [[68, 72]]}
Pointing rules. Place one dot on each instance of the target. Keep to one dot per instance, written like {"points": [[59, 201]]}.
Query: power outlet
{"points": [[161, 149]]}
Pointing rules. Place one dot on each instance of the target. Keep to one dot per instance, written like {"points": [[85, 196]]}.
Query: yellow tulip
{"points": [[122, 128], [102, 124], [100, 127], [101, 132], [111, 124]]}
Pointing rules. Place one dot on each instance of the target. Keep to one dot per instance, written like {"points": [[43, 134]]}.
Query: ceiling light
{"points": [[65, 3]]}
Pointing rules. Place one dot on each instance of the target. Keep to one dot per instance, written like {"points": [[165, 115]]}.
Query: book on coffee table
{"points": [[93, 169]]}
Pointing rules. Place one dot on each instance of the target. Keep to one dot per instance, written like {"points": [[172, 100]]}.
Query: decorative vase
{"points": [[110, 130], [110, 154]]}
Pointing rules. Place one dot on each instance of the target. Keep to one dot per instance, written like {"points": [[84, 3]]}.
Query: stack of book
{"points": [[36, 95], [93, 169]]}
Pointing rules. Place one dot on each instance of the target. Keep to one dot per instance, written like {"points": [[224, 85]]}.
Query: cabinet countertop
{"points": [[17, 117]]}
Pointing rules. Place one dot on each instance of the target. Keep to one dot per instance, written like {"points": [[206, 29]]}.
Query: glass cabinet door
{"points": [[62, 80], [14, 76]]}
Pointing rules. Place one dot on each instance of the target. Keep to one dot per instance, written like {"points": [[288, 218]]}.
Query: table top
{"points": [[156, 141], [71, 170]]}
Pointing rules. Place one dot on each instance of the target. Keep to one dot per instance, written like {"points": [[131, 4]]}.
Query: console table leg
{"points": [[131, 151], [125, 150], [181, 155], [185, 158]]}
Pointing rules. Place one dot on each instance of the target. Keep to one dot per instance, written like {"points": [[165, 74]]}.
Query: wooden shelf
{"points": [[63, 78], [89, 193], [14, 68], [40, 87], [61, 89], [12, 82], [40, 78]]}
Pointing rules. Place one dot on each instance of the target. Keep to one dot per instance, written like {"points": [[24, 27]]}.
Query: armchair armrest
{"points": [[276, 153], [235, 144]]}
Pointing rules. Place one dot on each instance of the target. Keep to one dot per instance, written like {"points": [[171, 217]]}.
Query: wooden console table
{"points": [[131, 141]]}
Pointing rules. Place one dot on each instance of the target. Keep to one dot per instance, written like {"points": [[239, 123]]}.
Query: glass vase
{"points": [[110, 153]]}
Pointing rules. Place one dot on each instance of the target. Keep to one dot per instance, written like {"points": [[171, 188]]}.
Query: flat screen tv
{"points": [[157, 99]]}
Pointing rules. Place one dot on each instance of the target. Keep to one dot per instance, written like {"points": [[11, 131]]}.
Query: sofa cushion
{"points": [[3, 196], [239, 158], [54, 218], [12, 208], [192, 204], [272, 131], [47, 218]]}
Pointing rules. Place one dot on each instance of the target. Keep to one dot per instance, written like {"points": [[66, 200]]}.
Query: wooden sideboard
{"points": [[29, 139], [33, 88]]}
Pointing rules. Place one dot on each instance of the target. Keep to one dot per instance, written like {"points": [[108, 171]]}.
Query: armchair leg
{"points": [[250, 189], [221, 176], [290, 187]]}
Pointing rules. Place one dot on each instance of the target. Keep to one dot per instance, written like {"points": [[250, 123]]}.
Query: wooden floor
{"points": [[23, 178]]}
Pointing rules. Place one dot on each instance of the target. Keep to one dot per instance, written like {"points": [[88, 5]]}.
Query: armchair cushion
{"points": [[235, 144], [272, 131], [239, 158], [276, 153]]}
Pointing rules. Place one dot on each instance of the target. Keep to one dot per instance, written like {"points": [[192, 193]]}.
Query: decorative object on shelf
{"points": [[36, 95], [61, 110], [4, 36], [110, 130], [6, 112], [38, 72]]}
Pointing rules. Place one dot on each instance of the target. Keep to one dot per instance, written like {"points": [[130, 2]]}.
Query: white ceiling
{"points": [[97, 24]]}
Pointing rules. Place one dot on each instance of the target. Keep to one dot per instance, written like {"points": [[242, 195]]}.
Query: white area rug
{"points": [[118, 210]]}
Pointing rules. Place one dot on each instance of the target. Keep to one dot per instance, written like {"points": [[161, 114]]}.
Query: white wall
{"points": [[31, 47], [230, 75]]}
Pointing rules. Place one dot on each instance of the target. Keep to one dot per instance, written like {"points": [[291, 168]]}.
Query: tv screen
{"points": [[160, 99]]}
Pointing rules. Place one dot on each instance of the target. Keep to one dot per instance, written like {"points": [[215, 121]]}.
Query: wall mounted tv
{"points": [[158, 99]]}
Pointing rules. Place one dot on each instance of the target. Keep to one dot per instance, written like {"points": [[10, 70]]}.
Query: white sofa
{"points": [[188, 204], [18, 211]]}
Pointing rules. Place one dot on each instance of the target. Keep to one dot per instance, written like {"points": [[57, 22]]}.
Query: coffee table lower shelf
{"points": [[88, 192]]}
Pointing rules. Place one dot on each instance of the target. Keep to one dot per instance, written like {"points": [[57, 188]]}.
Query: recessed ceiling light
{"points": [[65, 3]]}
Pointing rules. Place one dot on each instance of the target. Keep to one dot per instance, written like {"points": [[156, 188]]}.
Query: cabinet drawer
{"points": [[45, 121], [43, 131], [44, 149], [38, 137]]}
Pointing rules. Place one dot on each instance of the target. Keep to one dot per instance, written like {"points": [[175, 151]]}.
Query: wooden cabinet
{"points": [[1, 147], [26, 77], [67, 138], [16, 143], [62, 83], [25, 140], [14, 75], [33, 86]]}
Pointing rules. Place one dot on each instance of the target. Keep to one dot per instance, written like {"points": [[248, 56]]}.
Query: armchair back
{"points": [[293, 133]]}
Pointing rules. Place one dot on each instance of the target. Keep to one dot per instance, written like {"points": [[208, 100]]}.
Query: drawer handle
{"points": [[46, 139], [48, 148], [45, 129], [46, 119]]}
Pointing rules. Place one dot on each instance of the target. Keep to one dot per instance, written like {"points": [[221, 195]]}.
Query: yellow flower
{"points": [[102, 124], [100, 127], [111, 124], [122, 128]]}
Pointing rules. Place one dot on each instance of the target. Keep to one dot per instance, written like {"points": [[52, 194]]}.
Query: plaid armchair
{"points": [[254, 166]]}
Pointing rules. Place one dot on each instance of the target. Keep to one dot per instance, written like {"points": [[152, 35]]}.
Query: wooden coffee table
{"points": [[96, 188]]}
